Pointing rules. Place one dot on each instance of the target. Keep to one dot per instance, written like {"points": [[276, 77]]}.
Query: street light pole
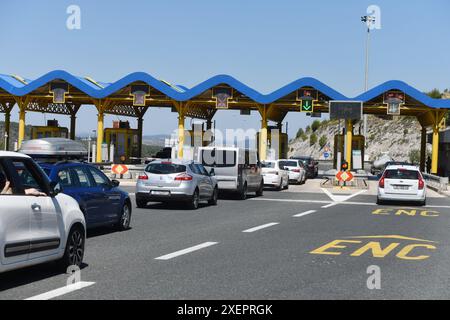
{"points": [[368, 20]]}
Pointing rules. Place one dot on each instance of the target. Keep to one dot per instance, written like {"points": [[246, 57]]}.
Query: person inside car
{"points": [[5, 187]]}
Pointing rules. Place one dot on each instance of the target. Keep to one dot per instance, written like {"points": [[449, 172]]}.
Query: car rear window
{"points": [[165, 168], [401, 174], [268, 164], [218, 158], [288, 164]]}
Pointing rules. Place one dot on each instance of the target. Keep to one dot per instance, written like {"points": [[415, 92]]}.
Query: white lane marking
{"points": [[62, 291], [187, 250], [304, 213], [330, 205], [290, 200], [341, 198], [338, 203], [261, 227]]}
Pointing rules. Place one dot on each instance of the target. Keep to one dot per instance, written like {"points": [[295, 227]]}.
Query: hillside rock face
{"points": [[398, 137]]}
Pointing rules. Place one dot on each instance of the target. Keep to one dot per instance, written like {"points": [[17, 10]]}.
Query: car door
{"points": [[15, 214], [200, 179], [46, 223], [109, 198], [83, 190], [207, 180]]}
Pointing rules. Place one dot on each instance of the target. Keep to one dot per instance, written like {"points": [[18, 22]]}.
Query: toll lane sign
{"points": [[119, 169], [306, 106], [344, 176]]}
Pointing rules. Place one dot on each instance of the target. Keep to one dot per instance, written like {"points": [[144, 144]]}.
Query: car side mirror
{"points": [[212, 172], [55, 188], [115, 183]]}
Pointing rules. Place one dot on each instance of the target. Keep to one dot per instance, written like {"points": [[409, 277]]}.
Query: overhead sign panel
{"points": [[351, 110]]}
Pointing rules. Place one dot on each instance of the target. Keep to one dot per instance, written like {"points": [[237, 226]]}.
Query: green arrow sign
{"points": [[307, 106]]}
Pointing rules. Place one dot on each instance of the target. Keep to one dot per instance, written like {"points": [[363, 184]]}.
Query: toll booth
{"points": [[123, 142], [51, 130], [272, 143], [357, 161]]}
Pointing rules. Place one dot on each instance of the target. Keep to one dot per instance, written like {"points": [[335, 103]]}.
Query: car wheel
{"points": [[243, 192], [423, 203], [193, 204], [214, 197], [74, 251], [140, 203], [287, 185], [280, 186], [125, 218], [379, 201], [260, 191]]}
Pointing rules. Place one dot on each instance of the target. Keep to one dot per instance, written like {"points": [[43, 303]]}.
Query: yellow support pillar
{"points": [[435, 149], [263, 135], [348, 142], [21, 136], [7, 127], [180, 130], [100, 128]]}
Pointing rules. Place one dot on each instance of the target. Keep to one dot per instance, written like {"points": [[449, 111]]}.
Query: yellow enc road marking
{"points": [[406, 212], [362, 245]]}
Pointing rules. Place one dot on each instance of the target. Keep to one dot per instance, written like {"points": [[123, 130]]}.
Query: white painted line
{"points": [[330, 205], [261, 227], [341, 198], [62, 291], [337, 203], [187, 250], [290, 200], [304, 213]]}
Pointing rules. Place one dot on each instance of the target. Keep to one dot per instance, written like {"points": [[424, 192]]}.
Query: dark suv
{"points": [[311, 165]]}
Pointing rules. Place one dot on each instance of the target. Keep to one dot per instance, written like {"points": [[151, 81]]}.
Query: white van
{"points": [[237, 170]]}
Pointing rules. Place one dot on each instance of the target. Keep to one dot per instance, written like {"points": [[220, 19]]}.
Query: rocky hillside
{"points": [[400, 137]]}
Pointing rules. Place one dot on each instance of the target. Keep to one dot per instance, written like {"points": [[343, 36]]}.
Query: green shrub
{"points": [[322, 141], [315, 125], [312, 139], [414, 156]]}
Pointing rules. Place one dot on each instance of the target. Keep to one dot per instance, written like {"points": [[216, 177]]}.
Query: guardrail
{"points": [[435, 182]]}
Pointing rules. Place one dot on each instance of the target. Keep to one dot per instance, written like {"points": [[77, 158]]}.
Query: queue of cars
{"points": [[48, 204]]}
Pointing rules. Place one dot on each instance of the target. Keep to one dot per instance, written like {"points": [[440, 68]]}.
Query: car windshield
{"points": [[268, 164], [165, 168], [288, 164], [402, 174]]}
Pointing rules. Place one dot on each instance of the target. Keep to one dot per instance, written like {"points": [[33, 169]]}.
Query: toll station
{"points": [[59, 92]]}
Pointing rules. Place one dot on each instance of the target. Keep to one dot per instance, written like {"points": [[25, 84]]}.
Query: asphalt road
{"points": [[298, 244]]}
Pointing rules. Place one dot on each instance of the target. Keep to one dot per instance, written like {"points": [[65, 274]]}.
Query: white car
{"points": [[273, 175], [297, 172], [37, 223], [402, 183]]}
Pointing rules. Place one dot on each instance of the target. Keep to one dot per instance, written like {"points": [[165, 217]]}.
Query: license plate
{"points": [[160, 193], [401, 187]]}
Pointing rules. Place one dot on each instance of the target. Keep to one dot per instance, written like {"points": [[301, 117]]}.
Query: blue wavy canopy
{"points": [[180, 93]]}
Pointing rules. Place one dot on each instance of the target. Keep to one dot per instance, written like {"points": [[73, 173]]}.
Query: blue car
{"points": [[100, 199]]}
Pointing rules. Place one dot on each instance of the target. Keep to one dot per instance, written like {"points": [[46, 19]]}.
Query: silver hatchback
{"points": [[184, 181]]}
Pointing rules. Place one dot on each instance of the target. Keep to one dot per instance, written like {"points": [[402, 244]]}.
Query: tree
{"points": [[300, 132], [315, 125], [435, 94], [312, 139], [414, 156], [322, 141]]}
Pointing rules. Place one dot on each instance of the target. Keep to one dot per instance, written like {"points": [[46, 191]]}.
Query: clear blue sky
{"points": [[265, 44]]}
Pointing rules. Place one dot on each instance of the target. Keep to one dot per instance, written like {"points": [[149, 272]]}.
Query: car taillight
{"points": [[381, 182], [296, 170], [421, 183], [183, 177], [142, 177]]}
